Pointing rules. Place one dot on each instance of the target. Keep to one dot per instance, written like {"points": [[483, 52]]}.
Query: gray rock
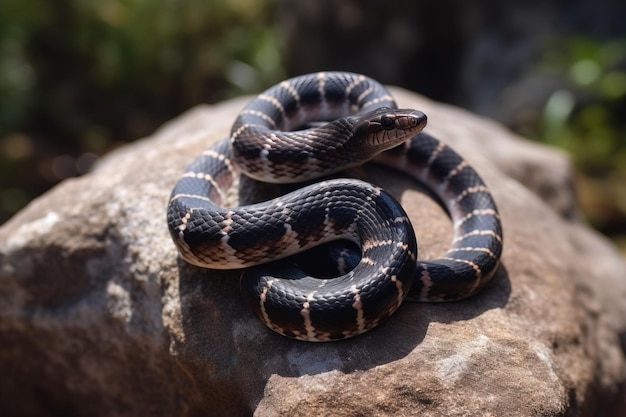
{"points": [[98, 315]]}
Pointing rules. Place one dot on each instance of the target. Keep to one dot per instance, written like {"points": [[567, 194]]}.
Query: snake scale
{"points": [[278, 138]]}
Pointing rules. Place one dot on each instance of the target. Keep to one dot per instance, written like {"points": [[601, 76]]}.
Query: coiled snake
{"points": [[364, 124]]}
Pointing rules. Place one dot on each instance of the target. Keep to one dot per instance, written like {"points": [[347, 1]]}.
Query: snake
{"points": [[309, 129]]}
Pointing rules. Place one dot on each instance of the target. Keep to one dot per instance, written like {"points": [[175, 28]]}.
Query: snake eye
{"points": [[387, 123]]}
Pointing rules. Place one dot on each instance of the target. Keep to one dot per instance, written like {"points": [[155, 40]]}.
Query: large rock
{"points": [[98, 315]]}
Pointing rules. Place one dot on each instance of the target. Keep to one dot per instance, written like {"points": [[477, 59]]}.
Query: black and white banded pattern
{"points": [[475, 252], [363, 124]]}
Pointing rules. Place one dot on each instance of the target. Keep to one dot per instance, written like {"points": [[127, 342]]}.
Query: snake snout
{"points": [[411, 119]]}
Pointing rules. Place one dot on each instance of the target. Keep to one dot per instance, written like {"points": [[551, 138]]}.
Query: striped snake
{"points": [[278, 138]]}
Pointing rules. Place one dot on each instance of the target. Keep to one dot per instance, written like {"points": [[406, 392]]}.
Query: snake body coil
{"points": [[364, 124]]}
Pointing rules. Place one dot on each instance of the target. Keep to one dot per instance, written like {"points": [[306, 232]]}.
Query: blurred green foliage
{"points": [[587, 118], [78, 77]]}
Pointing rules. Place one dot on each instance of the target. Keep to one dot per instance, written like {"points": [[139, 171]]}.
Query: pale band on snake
{"points": [[364, 124]]}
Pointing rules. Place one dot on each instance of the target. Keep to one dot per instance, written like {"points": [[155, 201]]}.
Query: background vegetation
{"points": [[80, 77], [586, 118]]}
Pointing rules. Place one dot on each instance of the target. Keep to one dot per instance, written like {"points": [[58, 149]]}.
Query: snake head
{"points": [[385, 128]]}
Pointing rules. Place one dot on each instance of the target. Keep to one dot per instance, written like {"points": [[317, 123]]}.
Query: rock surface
{"points": [[98, 315]]}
